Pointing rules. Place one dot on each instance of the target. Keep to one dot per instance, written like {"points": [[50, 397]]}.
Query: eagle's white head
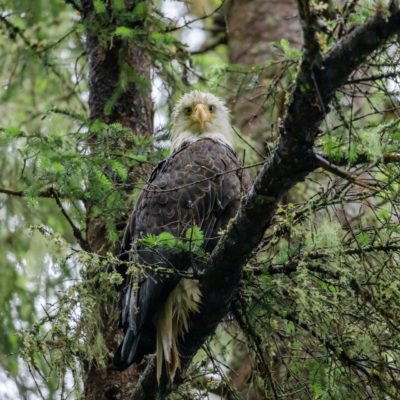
{"points": [[200, 115]]}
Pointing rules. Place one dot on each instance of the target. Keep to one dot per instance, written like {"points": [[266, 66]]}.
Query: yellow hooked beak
{"points": [[201, 114]]}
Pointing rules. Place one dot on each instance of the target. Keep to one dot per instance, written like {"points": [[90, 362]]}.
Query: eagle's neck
{"points": [[188, 137]]}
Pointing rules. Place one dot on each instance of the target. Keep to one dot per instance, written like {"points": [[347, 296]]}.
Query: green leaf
{"points": [[57, 167], [384, 214], [99, 6], [120, 169], [195, 237], [12, 131], [95, 212], [140, 157], [157, 36], [34, 189], [32, 203], [103, 180], [353, 153], [124, 31], [112, 234], [333, 149], [285, 44], [119, 5], [166, 239], [290, 52], [97, 126], [361, 16], [283, 254], [140, 10], [41, 85], [317, 389], [363, 239]]}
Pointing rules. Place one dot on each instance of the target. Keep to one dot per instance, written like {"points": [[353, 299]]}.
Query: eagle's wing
{"points": [[202, 185]]}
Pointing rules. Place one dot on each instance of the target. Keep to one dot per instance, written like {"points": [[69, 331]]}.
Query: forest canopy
{"points": [[87, 90]]}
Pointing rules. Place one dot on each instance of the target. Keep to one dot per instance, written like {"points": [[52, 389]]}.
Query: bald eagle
{"points": [[199, 185]]}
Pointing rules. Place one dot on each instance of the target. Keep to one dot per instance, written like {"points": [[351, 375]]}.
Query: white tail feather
{"points": [[172, 321]]}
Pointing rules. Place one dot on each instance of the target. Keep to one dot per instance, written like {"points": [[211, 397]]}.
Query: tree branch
{"points": [[290, 163], [76, 231], [339, 353], [208, 47], [373, 78], [188, 23], [46, 193], [362, 158], [328, 166], [253, 339], [292, 266], [19, 193], [52, 193]]}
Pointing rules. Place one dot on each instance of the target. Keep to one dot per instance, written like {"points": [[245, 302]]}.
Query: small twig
{"points": [[46, 193], [336, 350], [328, 166], [307, 19], [373, 78], [36, 384], [77, 232], [57, 42], [248, 143], [293, 267], [37, 51], [19, 193], [16, 30], [216, 175], [253, 338], [196, 19], [211, 46]]}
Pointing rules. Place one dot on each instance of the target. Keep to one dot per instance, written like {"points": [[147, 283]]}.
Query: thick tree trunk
{"points": [[133, 109], [253, 25]]}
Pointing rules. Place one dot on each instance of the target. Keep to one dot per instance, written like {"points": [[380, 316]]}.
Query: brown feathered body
{"points": [[201, 185]]}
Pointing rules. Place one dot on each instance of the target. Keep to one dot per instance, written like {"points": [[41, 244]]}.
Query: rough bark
{"points": [[254, 25], [252, 28], [291, 161], [133, 109]]}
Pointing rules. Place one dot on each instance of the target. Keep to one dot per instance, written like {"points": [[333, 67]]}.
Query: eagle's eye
{"points": [[211, 108], [187, 110]]}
